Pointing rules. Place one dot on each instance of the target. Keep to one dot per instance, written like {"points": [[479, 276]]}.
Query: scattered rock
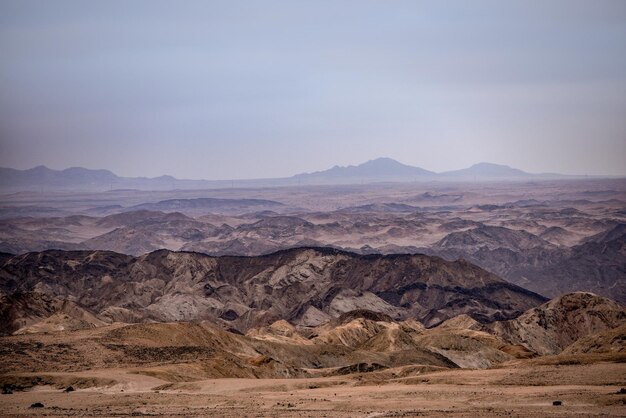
{"points": [[359, 368], [69, 389], [557, 403], [37, 405], [229, 315], [622, 391]]}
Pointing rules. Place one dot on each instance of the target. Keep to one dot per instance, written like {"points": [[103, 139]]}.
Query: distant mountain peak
{"points": [[485, 169], [490, 165], [382, 160], [39, 169], [165, 177], [389, 169], [80, 171], [378, 169]]}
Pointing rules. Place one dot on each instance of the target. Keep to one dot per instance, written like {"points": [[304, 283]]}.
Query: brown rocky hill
{"points": [[557, 324], [305, 286], [37, 312], [609, 341]]}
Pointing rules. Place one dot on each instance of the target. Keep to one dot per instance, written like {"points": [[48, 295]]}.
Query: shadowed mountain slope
{"points": [[597, 265], [305, 286], [555, 325]]}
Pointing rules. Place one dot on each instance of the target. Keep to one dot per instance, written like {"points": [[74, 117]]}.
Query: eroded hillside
{"points": [[306, 286]]}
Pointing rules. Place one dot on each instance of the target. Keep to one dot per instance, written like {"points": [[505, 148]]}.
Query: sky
{"points": [[257, 89]]}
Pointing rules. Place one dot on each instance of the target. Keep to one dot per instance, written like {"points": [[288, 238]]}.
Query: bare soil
{"points": [[521, 389]]}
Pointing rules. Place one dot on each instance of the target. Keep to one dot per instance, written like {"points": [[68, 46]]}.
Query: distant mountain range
{"points": [[387, 169], [380, 169], [488, 170], [305, 286], [373, 171], [42, 178]]}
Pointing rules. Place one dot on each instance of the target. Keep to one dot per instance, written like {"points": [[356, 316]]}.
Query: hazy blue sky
{"points": [[243, 89]]}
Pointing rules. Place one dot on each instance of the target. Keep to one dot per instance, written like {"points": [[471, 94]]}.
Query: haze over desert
{"points": [[324, 209]]}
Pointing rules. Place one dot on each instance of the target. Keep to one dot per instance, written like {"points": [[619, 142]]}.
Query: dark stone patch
{"points": [[229, 315]]}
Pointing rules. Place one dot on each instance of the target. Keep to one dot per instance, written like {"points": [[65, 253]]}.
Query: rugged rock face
{"points": [[36, 312], [356, 342], [152, 234], [609, 341], [597, 265], [491, 237], [305, 286], [555, 325]]}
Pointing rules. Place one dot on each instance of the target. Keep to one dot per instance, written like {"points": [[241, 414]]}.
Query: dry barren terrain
{"points": [[516, 390], [413, 299]]}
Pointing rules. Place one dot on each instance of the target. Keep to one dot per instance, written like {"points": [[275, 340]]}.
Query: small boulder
{"points": [[557, 403], [69, 389], [37, 405]]}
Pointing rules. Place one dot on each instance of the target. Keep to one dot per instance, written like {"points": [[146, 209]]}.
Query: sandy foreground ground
{"points": [[589, 390]]}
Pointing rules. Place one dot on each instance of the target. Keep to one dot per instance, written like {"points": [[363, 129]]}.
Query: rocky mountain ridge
{"points": [[306, 286], [376, 170]]}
